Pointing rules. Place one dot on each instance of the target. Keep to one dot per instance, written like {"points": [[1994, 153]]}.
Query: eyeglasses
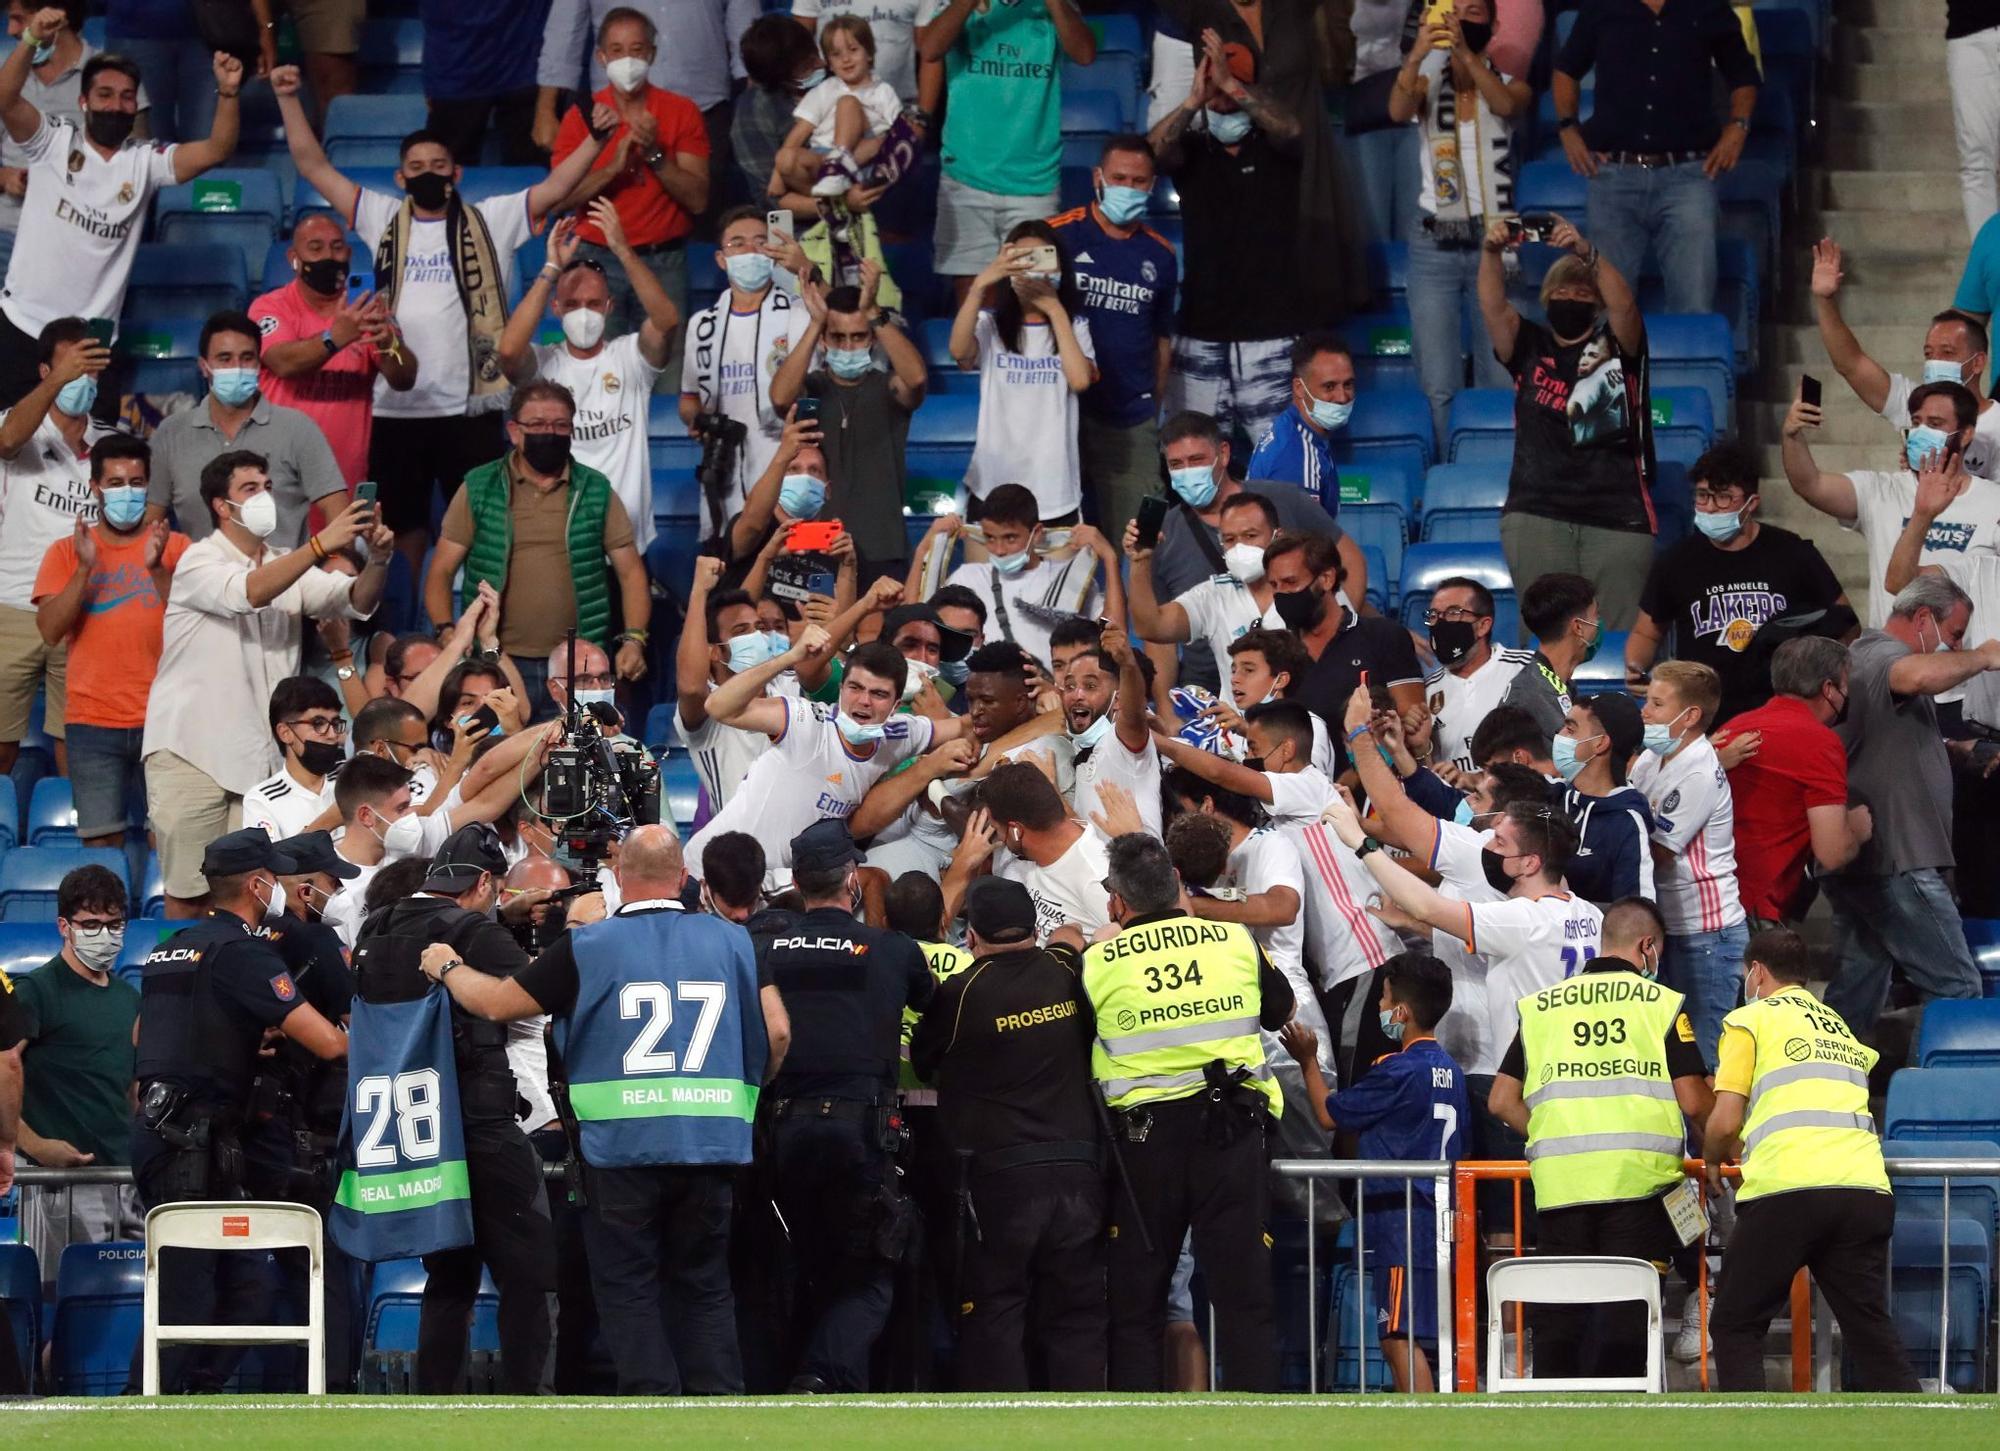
{"points": [[1720, 499], [323, 724], [533, 429], [591, 682], [96, 924], [1455, 614]]}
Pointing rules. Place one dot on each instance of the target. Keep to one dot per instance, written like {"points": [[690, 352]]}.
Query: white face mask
{"points": [[628, 73], [1245, 563], [404, 835], [259, 514], [98, 947], [583, 326], [1937, 648], [274, 905]]}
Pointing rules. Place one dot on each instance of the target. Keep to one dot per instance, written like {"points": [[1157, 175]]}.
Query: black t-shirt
{"points": [[551, 979], [1683, 1054], [1583, 430], [1370, 643], [1007, 1042], [1969, 17], [1239, 219], [864, 434], [383, 974], [1714, 600], [845, 985], [13, 1017]]}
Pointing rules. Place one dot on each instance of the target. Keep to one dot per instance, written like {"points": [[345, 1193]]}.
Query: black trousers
{"points": [[1202, 1169], [462, 122], [1599, 1340], [829, 1175], [579, 1365], [1842, 1236], [408, 456], [512, 1237], [1032, 1293], [658, 1240], [20, 363]]}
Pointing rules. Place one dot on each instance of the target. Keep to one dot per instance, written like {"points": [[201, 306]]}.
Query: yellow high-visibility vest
{"points": [[1808, 1125]]}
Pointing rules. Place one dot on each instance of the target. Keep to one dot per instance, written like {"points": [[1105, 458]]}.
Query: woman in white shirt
{"points": [[1034, 355]]}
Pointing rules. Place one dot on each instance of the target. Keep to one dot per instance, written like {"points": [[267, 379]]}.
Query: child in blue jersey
{"points": [[1409, 1105]]}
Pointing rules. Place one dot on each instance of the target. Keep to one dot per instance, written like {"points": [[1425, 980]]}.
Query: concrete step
{"points": [[1886, 45], [1847, 422], [1911, 290], [1927, 145], [1926, 16], [1845, 458], [1900, 192], [1795, 345], [1932, 230], [1926, 116], [1891, 82]]}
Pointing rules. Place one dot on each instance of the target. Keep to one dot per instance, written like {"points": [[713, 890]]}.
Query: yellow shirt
{"points": [[1735, 1061]]}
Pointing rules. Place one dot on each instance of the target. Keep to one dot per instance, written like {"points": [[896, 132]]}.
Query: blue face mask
{"points": [[1091, 734], [1009, 564], [1392, 1026], [1563, 752], [43, 52], [1659, 737], [233, 387], [76, 396], [1123, 205], [1464, 814], [1197, 485], [956, 671], [750, 271], [849, 363], [1329, 415], [1720, 527], [802, 496], [747, 652], [812, 78], [1923, 440], [854, 732], [1228, 127], [1943, 370], [124, 505]]}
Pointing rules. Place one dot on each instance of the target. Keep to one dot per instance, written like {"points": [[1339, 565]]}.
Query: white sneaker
{"points": [[836, 175], [1687, 1344]]}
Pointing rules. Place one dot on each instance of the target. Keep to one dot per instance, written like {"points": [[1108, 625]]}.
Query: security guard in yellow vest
{"points": [[1814, 1192], [1612, 1072], [1179, 1003]]}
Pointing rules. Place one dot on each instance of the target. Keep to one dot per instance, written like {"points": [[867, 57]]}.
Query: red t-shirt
{"points": [[647, 213], [1799, 765], [339, 395]]}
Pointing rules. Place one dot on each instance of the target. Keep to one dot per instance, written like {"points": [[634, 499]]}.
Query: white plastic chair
{"points": [[231, 1225], [1574, 1280]]}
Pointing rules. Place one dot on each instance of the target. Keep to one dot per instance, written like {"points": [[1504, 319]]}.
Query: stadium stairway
{"points": [[1884, 184]]}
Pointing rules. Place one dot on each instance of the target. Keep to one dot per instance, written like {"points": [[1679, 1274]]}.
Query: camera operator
{"points": [[663, 1100], [510, 1228]]}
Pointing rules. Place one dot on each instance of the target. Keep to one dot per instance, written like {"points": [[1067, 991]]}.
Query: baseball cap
{"points": [[312, 853], [248, 850], [1618, 716], [465, 854], [823, 846], [1000, 911]]}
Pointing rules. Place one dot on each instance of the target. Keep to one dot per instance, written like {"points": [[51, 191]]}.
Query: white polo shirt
{"points": [[612, 390]]}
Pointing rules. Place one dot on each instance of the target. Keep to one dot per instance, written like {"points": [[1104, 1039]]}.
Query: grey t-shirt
{"points": [[1179, 564], [1896, 764], [864, 433], [301, 463], [1542, 693]]}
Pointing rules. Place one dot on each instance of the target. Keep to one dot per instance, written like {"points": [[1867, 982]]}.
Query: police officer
{"points": [[665, 1043], [208, 994], [1178, 1003], [1007, 1042], [511, 1233], [1814, 1192], [833, 1123], [1614, 1066]]}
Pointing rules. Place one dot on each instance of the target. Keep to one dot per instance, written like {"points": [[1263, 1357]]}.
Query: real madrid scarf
{"points": [[1455, 224], [482, 288]]}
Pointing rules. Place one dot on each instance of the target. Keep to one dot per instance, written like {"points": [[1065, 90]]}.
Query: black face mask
{"points": [[1254, 763], [1495, 867], [1840, 715], [1452, 640], [325, 276], [1300, 609], [1570, 317], [1476, 33], [428, 189], [320, 757], [546, 453], [108, 128]]}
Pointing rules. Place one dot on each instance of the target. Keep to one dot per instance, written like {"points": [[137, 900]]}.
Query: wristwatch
{"points": [[445, 971], [1368, 844], [326, 341], [1743, 121], [1563, 123], [344, 672]]}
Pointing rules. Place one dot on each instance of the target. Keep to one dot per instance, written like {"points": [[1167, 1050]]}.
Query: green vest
{"points": [[1809, 1125], [1603, 1122], [1171, 997], [489, 495], [945, 960]]}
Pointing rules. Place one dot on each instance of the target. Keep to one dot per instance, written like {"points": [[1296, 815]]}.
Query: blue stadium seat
{"points": [[306, 197], [1479, 412], [1683, 415], [1918, 1285], [1673, 500], [10, 815], [152, 889], [237, 207], [1977, 1199], [1696, 350], [391, 56], [1462, 503], [670, 559], [366, 130], [1426, 564], [661, 736], [30, 875], [671, 444], [1392, 419], [141, 937], [680, 788], [1118, 34], [1377, 508], [1981, 930], [1934, 1103], [1381, 591], [1389, 271], [945, 421], [1116, 75], [1357, 1348], [676, 496], [1955, 1033], [935, 339], [52, 814], [483, 182], [1094, 113], [171, 282], [1752, 194], [1605, 671], [176, 338], [25, 946], [1785, 38], [21, 1301], [97, 1316], [1383, 361], [1550, 186]]}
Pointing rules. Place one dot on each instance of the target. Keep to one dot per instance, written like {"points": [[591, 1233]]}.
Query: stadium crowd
{"points": [[978, 807]]}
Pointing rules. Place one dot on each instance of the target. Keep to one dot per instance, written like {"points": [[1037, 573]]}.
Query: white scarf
{"points": [[1491, 154]]}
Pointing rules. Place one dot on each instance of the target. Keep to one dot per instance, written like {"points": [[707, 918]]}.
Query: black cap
{"points": [[1000, 911], [248, 850], [465, 854], [823, 846], [1618, 716], [953, 645], [312, 853]]}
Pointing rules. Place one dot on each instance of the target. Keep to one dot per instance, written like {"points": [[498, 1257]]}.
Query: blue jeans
{"points": [[1444, 312], [180, 84], [1707, 969], [1672, 207], [104, 776], [1907, 922], [1386, 163]]}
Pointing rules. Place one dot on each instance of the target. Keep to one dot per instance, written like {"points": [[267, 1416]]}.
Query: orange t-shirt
{"points": [[647, 213], [115, 648]]}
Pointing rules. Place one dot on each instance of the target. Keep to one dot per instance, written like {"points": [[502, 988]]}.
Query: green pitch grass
{"points": [[976, 1423]]}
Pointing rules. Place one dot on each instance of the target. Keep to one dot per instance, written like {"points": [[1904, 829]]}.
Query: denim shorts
{"points": [[103, 769]]}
